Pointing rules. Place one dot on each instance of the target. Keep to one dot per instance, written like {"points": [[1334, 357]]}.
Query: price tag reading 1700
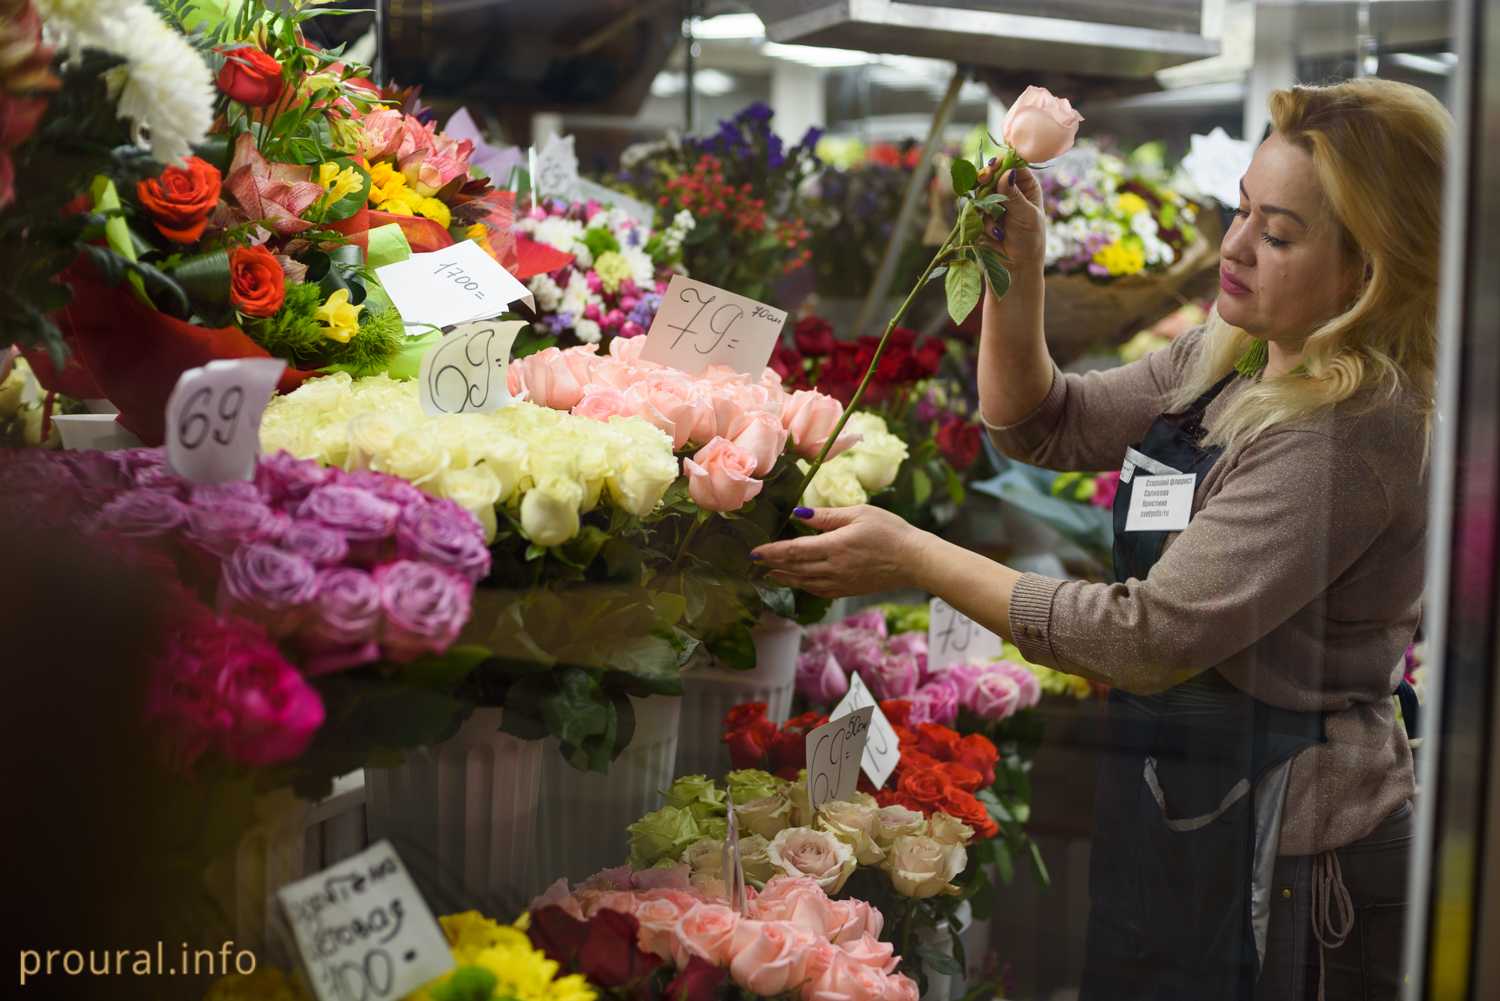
{"points": [[834, 752], [364, 932], [954, 638], [466, 372], [213, 418], [699, 325]]}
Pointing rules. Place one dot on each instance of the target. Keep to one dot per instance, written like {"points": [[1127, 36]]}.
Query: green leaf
{"points": [[778, 600], [735, 649], [990, 202], [1006, 866], [205, 277], [445, 671], [994, 272], [1041, 867], [963, 288], [578, 709], [964, 175], [939, 963], [970, 224], [921, 487]]}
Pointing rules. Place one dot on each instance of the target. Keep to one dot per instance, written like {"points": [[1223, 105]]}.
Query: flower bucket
{"points": [[463, 815], [941, 987], [269, 854], [711, 690], [584, 814]]}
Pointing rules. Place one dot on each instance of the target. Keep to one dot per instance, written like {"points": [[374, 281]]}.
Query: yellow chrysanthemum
{"points": [[612, 269], [1130, 203], [389, 191], [382, 174], [432, 208], [480, 234], [340, 317], [470, 933], [1121, 258], [337, 182], [523, 972]]}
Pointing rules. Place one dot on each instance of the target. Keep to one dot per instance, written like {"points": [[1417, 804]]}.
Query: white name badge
{"points": [[1161, 503]]}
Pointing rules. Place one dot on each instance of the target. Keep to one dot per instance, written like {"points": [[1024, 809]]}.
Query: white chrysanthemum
{"points": [[575, 298], [165, 87], [642, 268], [587, 331], [75, 23], [1143, 226], [547, 294], [558, 232]]}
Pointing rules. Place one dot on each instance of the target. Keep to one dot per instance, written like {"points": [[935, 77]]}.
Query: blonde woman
{"points": [[1253, 819]]}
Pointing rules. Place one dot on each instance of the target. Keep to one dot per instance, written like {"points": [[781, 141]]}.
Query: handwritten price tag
{"points": [[954, 638], [834, 751], [699, 325], [453, 285], [364, 931], [882, 749], [734, 862], [213, 418], [556, 172], [465, 372]]}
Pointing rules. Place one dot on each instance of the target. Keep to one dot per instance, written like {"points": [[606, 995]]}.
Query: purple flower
{"points": [[1029, 688], [284, 478], [893, 676], [390, 488], [319, 545], [940, 700], [871, 620], [269, 585], [162, 479], [445, 534], [425, 607], [820, 679], [143, 514], [964, 677], [228, 524], [100, 475], [342, 621], [858, 650], [996, 696], [359, 515]]}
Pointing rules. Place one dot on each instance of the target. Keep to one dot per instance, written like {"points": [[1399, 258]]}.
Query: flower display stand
{"points": [[463, 815], [711, 690], [584, 814]]}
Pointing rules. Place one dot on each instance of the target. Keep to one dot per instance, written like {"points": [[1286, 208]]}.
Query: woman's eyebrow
{"points": [[1275, 209]]}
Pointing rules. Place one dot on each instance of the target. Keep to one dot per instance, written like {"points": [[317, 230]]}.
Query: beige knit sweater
{"points": [[1299, 578]]}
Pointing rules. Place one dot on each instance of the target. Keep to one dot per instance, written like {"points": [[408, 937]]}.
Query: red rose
{"points": [[180, 200], [788, 753], [800, 725], [813, 336], [927, 787], [977, 752], [958, 440], [787, 364], [257, 285], [938, 741], [609, 955], [557, 934], [929, 357], [905, 736], [887, 797], [747, 748], [699, 980], [968, 809], [250, 76], [962, 776], [915, 759], [894, 363], [744, 715], [896, 711]]}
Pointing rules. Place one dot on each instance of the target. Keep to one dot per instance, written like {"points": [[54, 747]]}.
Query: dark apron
{"points": [[1188, 808]]}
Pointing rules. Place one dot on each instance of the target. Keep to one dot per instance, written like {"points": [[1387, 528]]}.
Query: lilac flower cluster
{"points": [[895, 667]]}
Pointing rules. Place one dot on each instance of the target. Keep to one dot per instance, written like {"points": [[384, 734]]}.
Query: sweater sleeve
{"points": [[1294, 513], [1086, 421]]}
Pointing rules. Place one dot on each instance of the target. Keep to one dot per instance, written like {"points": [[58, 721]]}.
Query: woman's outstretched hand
{"points": [[860, 550], [1023, 227]]}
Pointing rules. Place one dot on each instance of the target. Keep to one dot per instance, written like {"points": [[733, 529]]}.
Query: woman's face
{"points": [[1283, 269]]}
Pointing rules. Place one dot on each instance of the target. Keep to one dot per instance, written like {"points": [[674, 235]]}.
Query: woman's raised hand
{"points": [[1020, 236], [860, 550]]}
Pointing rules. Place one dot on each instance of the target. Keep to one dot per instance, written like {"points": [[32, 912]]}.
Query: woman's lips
{"points": [[1229, 284]]}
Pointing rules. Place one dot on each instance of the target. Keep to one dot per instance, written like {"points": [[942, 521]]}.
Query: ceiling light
{"points": [[728, 26], [816, 55]]}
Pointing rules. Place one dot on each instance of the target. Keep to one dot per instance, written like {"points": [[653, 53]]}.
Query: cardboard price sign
{"points": [[454, 285], [467, 371], [882, 748], [834, 751], [699, 325], [954, 638], [363, 930], [213, 418]]}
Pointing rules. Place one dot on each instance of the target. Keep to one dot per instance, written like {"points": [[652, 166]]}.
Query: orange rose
{"points": [[961, 776], [968, 809], [979, 753], [926, 788], [181, 199], [257, 285], [938, 741]]}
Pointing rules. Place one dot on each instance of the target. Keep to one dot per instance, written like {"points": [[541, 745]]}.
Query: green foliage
{"points": [[965, 175], [295, 334], [963, 287]]}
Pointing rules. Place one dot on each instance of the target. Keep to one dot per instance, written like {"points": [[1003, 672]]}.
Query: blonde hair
{"points": [[1378, 148]]}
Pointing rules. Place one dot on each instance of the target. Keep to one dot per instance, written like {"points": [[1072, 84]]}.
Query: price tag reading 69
{"points": [[834, 752], [467, 371], [213, 418]]}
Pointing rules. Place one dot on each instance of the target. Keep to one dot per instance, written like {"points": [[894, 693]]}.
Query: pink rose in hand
{"points": [[762, 435], [810, 417], [846, 979], [721, 477], [1039, 126], [770, 957], [707, 931]]}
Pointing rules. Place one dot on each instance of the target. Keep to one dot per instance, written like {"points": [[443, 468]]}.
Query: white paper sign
{"points": [[466, 372], [834, 752], [1160, 503], [954, 638], [363, 930], [637, 210], [1216, 163], [699, 325], [213, 418], [734, 861], [882, 749], [556, 171], [453, 285]]}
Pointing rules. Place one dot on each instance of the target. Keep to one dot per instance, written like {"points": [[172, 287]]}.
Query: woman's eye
{"points": [[1242, 213], [1271, 241]]}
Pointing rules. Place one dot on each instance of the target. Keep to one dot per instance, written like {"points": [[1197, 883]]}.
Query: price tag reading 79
{"points": [[834, 752], [699, 325], [954, 638], [213, 418]]}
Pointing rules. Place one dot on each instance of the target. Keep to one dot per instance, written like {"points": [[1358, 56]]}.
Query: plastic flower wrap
{"points": [[619, 272], [536, 468]]}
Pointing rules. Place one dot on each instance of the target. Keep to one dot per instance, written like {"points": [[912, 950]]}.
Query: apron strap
{"points": [[1410, 708], [1201, 403], [1236, 793]]}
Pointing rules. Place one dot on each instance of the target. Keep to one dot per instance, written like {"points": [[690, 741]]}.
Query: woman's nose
{"points": [[1238, 245]]}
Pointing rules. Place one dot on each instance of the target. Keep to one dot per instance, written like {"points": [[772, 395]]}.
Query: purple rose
{"points": [[916, 645], [269, 585], [858, 650], [1030, 688], [939, 700], [226, 525], [965, 677], [425, 606], [391, 488], [359, 515], [161, 478], [444, 534], [319, 545], [820, 679], [283, 478], [996, 696], [143, 514], [100, 475], [817, 637], [214, 494], [871, 620], [893, 676], [342, 621]]}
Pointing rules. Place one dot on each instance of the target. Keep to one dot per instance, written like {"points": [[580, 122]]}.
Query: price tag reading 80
{"points": [[213, 418], [834, 752], [467, 371]]}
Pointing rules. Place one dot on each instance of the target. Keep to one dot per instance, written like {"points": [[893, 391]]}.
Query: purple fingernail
{"points": [[998, 232], [802, 512], [755, 556], [1013, 177]]}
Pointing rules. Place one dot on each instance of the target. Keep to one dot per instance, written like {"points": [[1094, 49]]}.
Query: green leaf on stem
{"points": [[1041, 867], [994, 272], [939, 963], [991, 202], [970, 224], [964, 175], [938, 273], [921, 487], [963, 288]]}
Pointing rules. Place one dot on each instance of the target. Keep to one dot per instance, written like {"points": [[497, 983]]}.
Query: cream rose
{"points": [[835, 485], [414, 456], [855, 825], [549, 511], [921, 866], [895, 821], [372, 435], [755, 859], [705, 856], [802, 851], [948, 830], [476, 490], [877, 459], [767, 817]]}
